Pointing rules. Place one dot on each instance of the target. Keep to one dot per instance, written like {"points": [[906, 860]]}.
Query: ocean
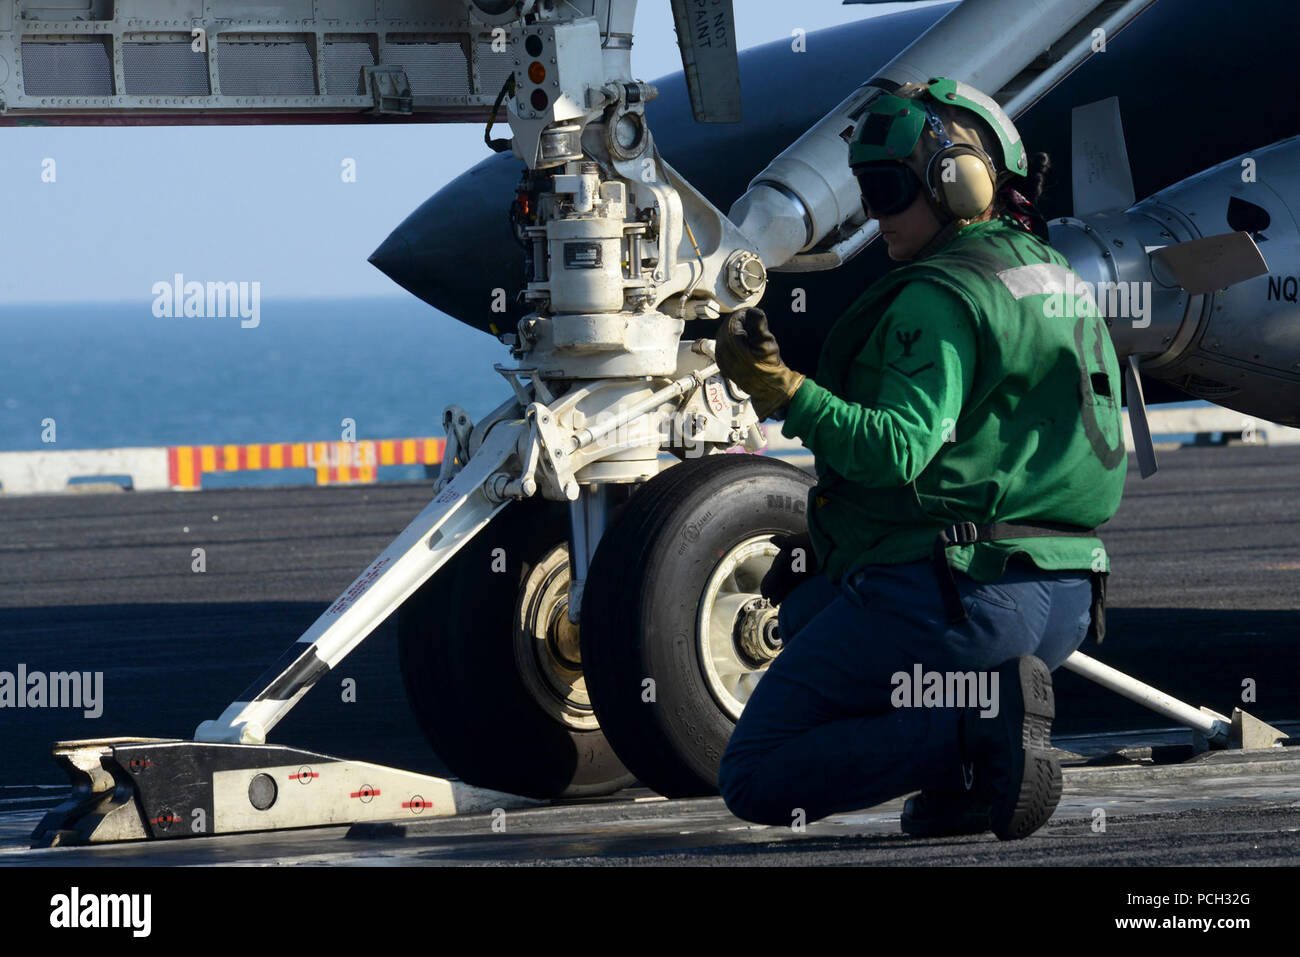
{"points": [[114, 375]]}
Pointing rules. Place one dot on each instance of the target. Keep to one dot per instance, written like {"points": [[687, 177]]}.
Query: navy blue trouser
{"points": [[820, 733]]}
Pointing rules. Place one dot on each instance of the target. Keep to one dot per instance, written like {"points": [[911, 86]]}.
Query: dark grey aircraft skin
{"points": [[1198, 83]]}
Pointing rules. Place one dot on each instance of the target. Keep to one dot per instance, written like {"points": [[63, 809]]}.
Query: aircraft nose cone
{"points": [[393, 258], [458, 248]]}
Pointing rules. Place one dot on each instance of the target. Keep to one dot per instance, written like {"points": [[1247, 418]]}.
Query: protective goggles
{"points": [[886, 187]]}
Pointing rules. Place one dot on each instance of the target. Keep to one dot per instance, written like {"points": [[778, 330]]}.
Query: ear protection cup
{"points": [[961, 181]]}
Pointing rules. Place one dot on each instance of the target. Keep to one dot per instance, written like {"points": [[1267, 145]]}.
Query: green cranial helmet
{"points": [[959, 143], [892, 127]]}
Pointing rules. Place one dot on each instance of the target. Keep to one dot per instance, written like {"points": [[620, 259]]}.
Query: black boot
{"points": [[945, 813], [1012, 752]]}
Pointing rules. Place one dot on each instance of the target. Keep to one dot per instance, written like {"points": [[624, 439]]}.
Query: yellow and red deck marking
{"points": [[334, 462]]}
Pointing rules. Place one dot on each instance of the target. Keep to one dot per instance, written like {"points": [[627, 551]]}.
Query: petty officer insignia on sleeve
{"points": [[906, 339]]}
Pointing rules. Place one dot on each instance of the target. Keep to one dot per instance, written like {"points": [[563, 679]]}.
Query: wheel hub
{"points": [[548, 651], [756, 632], [736, 626], [562, 635]]}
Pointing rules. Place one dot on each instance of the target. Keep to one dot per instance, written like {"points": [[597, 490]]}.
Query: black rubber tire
{"points": [[640, 605], [457, 655]]}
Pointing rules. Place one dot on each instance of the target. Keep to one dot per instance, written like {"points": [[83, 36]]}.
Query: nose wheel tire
{"points": [[493, 669], [675, 635]]}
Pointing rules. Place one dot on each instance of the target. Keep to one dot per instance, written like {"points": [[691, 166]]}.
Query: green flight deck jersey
{"points": [[973, 385]]}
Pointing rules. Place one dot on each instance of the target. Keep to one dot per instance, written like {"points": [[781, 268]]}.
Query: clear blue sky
{"points": [[132, 206]]}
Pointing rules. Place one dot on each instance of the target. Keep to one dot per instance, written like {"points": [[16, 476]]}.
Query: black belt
{"points": [[968, 533]]}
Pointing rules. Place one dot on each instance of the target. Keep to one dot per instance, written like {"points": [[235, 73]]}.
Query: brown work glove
{"points": [[794, 565], [748, 355]]}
